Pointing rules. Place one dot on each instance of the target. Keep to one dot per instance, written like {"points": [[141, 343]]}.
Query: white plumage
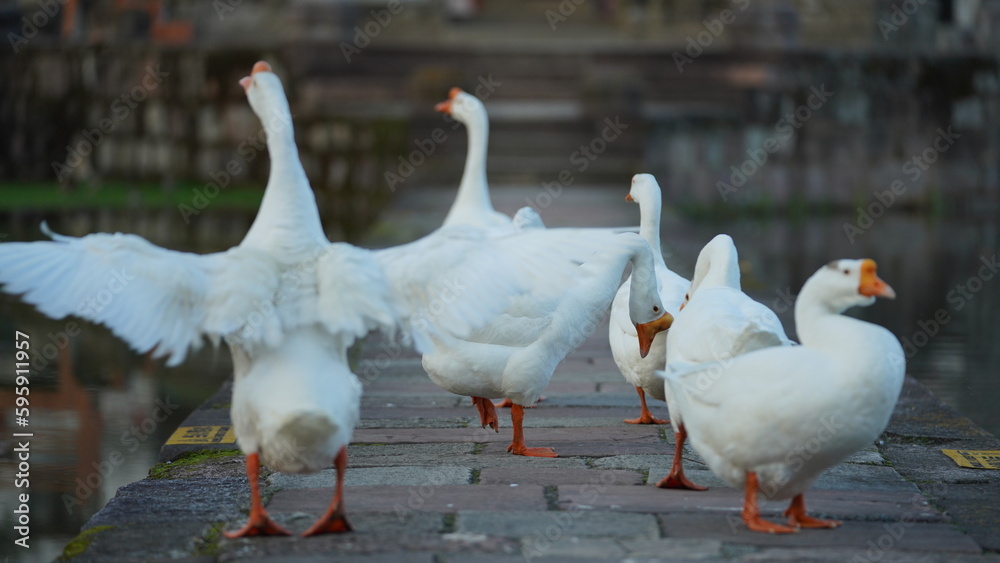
{"points": [[289, 303], [773, 419], [472, 204], [717, 322], [639, 371]]}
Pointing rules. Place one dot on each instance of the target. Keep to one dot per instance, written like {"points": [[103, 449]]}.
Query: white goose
{"points": [[772, 420], [289, 304], [639, 371], [472, 204], [515, 354], [717, 321]]}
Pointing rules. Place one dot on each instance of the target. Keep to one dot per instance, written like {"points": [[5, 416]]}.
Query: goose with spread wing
{"points": [[289, 304]]}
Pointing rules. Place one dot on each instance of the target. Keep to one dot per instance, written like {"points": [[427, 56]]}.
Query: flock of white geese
{"points": [[493, 303]]}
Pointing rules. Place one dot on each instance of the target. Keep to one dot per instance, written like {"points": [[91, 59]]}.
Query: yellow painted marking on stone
{"points": [[976, 459], [202, 435]]}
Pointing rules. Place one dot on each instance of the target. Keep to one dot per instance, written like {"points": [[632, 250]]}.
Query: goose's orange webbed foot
{"points": [[797, 516]]}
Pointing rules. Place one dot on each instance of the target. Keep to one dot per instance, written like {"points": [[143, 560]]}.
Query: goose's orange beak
{"points": [[445, 107], [648, 331], [871, 285], [629, 198]]}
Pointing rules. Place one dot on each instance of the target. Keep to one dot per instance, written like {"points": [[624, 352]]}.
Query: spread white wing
{"points": [[458, 279], [148, 296]]}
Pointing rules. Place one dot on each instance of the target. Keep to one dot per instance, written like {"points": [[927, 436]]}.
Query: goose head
{"points": [[644, 305], [645, 191], [650, 319], [464, 107], [843, 284], [717, 265], [267, 98]]}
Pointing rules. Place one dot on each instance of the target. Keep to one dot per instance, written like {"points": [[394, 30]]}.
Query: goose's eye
{"points": [[847, 272], [656, 309]]}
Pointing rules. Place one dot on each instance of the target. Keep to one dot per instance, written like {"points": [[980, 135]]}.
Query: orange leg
{"points": [[676, 479], [487, 414], [507, 403], [751, 512], [645, 417], [334, 521], [797, 516], [260, 523], [517, 447]]}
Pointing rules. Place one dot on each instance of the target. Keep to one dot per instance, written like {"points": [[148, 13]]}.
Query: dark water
{"points": [[95, 406]]}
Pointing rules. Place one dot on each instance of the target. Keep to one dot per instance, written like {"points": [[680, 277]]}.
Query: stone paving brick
{"points": [[594, 441], [394, 557], [362, 546], [545, 410], [414, 422], [142, 542], [573, 548], [369, 476], [381, 450], [501, 458], [570, 422], [870, 455], [387, 524], [542, 410], [557, 476], [854, 476], [426, 400], [588, 448], [424, 498], [556, 388], [544, 526], [836, 555], [886, 536], [688, 549], [861, 505], [402, 385], [407, 411], [428, 435], [593, 400]]}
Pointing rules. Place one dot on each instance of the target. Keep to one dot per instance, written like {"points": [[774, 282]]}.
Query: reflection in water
{"points": [[95, 406], [98, 411]]}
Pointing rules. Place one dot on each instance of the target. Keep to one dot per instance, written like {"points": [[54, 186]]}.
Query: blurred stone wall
{"points": [[704, 91]]}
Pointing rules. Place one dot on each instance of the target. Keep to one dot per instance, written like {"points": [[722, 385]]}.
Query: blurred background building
{"points": [[700, 85]]}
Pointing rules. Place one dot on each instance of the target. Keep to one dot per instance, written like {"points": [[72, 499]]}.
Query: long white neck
{"points": [[473, 193], [717, 266], [604, 273], [288, 219], [649, 219], [643, 288], [820, 322]]}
